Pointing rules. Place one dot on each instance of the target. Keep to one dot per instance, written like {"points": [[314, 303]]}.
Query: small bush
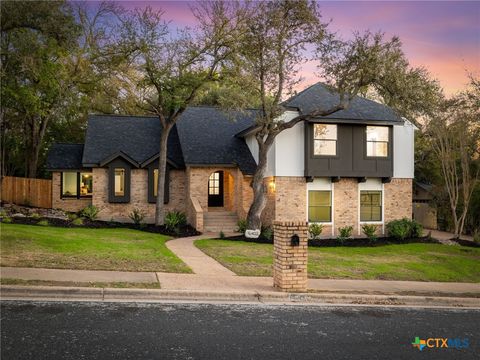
{"points": [[43, 223], [7, 220], [3, 213], [174, 220], [266, 233], [370, 231], [72, 216], [90, 212], [35, 216], [315, 230], [476, 236], [221, 235], [404, 228], [78, 222], [242, 226], [345, 233], [137, 216]]}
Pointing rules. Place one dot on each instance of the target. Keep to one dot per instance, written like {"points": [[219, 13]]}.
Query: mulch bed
{"points": [[184, 231], [359, 242]]}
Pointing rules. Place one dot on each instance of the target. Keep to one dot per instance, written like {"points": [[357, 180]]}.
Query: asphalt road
{"points": [[66, 330]]}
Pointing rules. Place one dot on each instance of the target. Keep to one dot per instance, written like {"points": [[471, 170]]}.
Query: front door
{"points": [[215, 189]]}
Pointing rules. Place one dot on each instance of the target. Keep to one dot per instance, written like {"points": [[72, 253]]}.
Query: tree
{"points": [[454, 132], [278, 35], [171, 68]]}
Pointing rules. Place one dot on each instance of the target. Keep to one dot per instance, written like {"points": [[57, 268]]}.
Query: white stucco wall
{"points": [[290, 152], [253, 146], [403, 150]]}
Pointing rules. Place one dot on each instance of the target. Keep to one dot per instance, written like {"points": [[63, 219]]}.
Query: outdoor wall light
{"points": [[271, 185], [295, 240]]}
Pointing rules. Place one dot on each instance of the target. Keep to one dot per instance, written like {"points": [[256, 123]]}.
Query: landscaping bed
{"points": [[120, 249], [408, 261]]}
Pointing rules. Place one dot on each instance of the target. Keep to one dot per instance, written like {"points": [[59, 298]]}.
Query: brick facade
{"points": [[398, 199], [290, 198], [138, 195], [290, 262], [345, 203], [67, 204]]}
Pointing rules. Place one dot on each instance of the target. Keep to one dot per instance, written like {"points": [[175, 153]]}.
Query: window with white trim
{"points": [[325, 139], [377, 141], [319, 206], [370, 205]]}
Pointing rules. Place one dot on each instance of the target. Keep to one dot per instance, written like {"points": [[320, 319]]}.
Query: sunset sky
{"points": [[443, 36]]}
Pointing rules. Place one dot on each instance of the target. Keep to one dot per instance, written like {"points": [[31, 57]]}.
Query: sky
{"points": [[443, 36]]}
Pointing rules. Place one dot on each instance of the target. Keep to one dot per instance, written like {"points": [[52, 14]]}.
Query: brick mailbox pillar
{"points": [[290, 256]]}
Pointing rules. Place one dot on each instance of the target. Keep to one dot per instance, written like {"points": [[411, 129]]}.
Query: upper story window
{"points": [[119, 182], [377, 141], [325, 139], [77, 184]]}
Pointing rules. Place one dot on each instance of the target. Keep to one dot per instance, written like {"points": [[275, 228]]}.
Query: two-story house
{"points": [[350, 168]]}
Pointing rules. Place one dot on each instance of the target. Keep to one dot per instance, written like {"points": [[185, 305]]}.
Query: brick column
{"points": [[290, 262]]}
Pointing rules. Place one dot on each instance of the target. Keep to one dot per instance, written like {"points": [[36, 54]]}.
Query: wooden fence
{"points": [[27, 191]]}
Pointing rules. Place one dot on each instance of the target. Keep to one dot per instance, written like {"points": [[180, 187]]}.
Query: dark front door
{"points": [[215, 189]]}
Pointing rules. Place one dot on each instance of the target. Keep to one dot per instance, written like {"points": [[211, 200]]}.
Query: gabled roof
{"points": [[324, 97], [207, 137], [135, 136], [65, 157]]}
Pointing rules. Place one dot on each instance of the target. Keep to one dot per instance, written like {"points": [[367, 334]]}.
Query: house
{"points": [[347, 169]]}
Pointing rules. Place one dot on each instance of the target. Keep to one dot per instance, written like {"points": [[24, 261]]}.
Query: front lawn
{"points": [[86, 249], [415, 261]]}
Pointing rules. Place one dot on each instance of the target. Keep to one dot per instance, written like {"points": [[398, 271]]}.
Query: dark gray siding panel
{"points": [[351, 159]]}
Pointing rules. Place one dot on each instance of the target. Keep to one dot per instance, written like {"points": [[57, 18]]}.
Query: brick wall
{"points": [[66, 204], [290, 198], [346, 204], [398, 199], [290, 262], [138, 195]]}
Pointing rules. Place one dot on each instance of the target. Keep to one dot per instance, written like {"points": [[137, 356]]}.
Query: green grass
{"points": [[87, 249], [416, 261], [118, 285]]}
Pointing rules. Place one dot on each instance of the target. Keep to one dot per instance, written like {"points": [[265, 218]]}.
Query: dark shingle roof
{"points": [[65, 157], [207, 136], [322, 96], [136, 136]]}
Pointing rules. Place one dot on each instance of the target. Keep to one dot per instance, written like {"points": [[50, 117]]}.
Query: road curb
{"points": [[16, 292]]}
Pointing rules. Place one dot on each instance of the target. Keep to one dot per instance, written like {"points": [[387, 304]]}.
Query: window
{"points": [[119, 182], [370, 206], [324, 139], [377, 141], [76, 184], [155, 182], [319, 206], [214, 184], [86, 184]]}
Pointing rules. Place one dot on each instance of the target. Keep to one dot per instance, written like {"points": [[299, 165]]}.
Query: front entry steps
{"points": [[218, 220]]}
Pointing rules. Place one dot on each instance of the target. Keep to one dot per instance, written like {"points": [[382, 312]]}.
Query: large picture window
{"points": [[319, 206], [377, 141], [325, 139], [370, 206], [77, 184]]}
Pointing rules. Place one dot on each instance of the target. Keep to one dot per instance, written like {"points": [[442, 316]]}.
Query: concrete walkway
{"points": [[444, 236], [200, 263]]}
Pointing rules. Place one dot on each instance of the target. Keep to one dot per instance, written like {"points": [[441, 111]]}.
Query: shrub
{"points": [[7, 220], [476, 236], [174, 220], [43, 223], [345, 233], [3, 213], [35, 216], [221, 235], [90, 212], [242, 226], [72, 216], [404, 228], [77, 222], [315, 230], [370, 231], [266, 233], [137, 216]]}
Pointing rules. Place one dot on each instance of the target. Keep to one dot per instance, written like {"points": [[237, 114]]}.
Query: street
{"points": [[82, 330]]}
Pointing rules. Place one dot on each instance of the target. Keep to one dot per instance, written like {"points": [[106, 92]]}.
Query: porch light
{"points": [[271, 185]]}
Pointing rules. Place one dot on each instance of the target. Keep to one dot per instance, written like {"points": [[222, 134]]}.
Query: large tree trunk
{"points": [[254, 221], [36, 128], [162, 168]]}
